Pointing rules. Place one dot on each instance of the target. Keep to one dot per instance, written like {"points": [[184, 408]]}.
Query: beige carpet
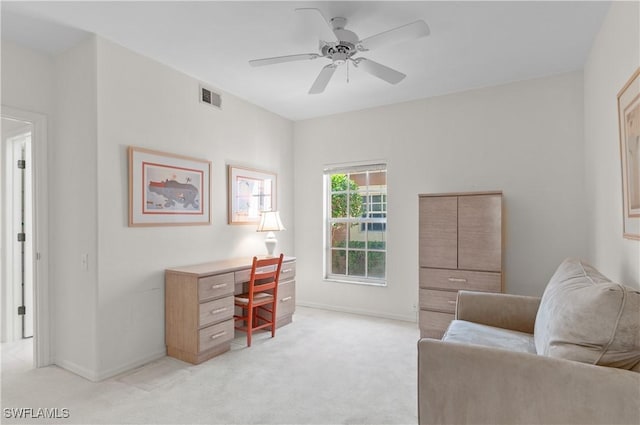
{"points": [[324, 368]]}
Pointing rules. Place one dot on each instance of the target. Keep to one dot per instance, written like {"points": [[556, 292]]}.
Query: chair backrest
{"points": [[265, 274]]}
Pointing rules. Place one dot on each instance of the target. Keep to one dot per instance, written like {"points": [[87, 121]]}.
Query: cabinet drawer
{"points": [[216, 334], [216, 311], [460, 279], [433, 324], [445, 301], [215, 286]]}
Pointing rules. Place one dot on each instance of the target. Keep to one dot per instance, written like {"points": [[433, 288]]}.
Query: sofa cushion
{"points": [[464, 332], [585, 317]]}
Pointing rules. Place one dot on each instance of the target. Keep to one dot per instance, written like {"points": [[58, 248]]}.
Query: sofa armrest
{"points": [[514, 312], [459, 383]]}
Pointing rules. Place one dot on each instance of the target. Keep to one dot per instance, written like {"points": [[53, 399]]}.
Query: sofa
{"points": [[569, 357]]}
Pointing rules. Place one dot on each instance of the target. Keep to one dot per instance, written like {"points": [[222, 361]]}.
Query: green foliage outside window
{"points": [[340, 183]]}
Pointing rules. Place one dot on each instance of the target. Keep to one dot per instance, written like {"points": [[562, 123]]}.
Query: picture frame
{"points": [[166, 189], [250, 192], [629, 127]]}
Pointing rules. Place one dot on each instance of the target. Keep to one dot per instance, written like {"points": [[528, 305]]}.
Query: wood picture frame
{"points": [[167, 189], [629, 126], [250, 192]]}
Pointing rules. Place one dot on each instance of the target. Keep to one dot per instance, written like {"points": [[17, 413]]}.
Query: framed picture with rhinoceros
{"points": [[167, 189]]}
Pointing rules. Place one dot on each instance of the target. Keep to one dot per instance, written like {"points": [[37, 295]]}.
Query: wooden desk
{"points": [[199, 305]]}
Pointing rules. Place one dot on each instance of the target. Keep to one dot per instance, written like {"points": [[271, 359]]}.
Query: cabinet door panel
{"points": [[438, 232], [480, 232]]}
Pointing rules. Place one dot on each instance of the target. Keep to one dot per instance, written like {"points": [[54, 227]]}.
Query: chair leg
{"points": [[273, 320], [249, 325]]}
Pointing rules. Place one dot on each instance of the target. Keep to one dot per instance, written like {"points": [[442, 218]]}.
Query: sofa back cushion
{"points": [[585, 317]]}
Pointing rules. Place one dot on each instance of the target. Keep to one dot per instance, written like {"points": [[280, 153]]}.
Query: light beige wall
{"points": [[144, 103], [524, 138], [27, 79], [73, 210], [614, 56]]}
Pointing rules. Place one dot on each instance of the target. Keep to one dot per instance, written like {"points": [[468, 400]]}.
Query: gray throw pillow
{"points": [[585, 317]]}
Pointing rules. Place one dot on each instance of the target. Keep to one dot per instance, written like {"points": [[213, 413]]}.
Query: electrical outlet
{"points": [[84, 262], [414, 307]]}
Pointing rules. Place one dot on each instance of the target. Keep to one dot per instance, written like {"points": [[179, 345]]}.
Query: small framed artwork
{"points": [[250, 193], [629, 125], [167, 189]]}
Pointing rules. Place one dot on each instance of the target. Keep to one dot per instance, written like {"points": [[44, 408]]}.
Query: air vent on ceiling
{"points": [[210, 97]]}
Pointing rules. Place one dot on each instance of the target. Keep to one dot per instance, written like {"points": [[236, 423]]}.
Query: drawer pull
{"points": [[218, 286], [218, 310], [457, 279], [286, 271], [285, 299], [451, 302], [218, 335]]}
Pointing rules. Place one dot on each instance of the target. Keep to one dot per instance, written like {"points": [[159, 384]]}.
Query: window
{"points": [[356, 224]]}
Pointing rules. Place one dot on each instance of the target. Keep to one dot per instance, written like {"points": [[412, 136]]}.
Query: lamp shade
{"points": [[270, 222]]}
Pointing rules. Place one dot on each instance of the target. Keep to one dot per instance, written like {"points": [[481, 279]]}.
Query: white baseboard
{"points": [[131, 365], [78, 370], [96, 376], [404, 318]]}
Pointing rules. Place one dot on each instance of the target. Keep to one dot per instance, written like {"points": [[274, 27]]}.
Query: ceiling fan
{"points": [[343, 45]]}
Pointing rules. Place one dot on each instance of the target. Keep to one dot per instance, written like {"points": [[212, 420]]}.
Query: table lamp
{"points": [[270, 222]]}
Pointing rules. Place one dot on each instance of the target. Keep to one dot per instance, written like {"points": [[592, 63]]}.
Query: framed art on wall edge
{"points": [[629, 125], [167, 189], [250, 193]]}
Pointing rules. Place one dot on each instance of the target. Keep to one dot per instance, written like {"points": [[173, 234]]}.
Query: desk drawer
{"points": [[286, 305], [216, 311], [286, 299], [444, 301], [216, 334], [287, 272], [460, 279], [215, 286]]}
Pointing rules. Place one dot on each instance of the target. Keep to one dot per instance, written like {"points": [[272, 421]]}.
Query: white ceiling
{"points": [[472, 44]]}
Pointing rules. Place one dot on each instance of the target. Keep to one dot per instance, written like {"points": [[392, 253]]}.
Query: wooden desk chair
{"points": [[258, 305]]}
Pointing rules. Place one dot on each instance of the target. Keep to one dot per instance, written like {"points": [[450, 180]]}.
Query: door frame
{"points": [[42, 326]]}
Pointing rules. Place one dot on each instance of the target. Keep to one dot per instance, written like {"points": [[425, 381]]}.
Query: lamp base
{"points": [[270, 242]]}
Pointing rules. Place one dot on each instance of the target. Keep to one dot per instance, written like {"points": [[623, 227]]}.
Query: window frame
{"points": [[366, 221]]}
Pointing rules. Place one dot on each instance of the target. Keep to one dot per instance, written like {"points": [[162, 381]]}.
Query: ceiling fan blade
{"points": [[280, 59], [383, 72], [323, 79], [406, 32], [326, 29]]}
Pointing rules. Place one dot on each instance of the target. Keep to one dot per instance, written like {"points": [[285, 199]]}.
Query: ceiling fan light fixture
{"points": [[339, 58]]}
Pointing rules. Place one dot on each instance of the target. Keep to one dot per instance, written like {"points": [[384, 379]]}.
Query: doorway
{"points": [[23, 265], [18, 229]]}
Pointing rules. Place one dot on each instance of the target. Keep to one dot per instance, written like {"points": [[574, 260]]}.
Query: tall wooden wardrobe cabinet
{"points": [[460, 248]]}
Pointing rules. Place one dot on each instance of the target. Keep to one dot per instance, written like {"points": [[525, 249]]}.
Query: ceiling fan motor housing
{"points": [[341, 51]]}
